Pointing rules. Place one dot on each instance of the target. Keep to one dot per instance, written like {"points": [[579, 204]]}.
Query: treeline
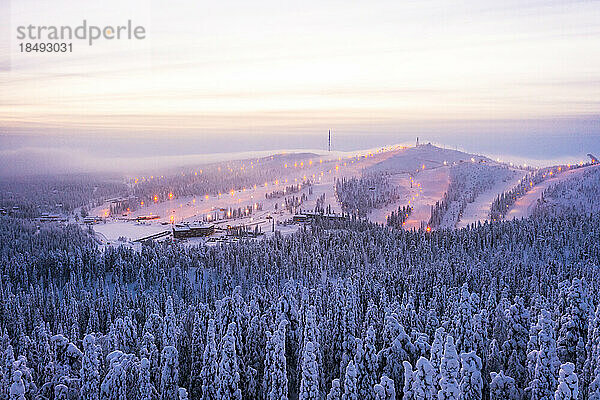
{"points": [[397, 218], [34, 195]]}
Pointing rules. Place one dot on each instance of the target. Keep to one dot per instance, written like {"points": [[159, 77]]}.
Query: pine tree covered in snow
{"points": [[365, 361], [449, 372], [170, 373], [547, 364], [195, 388], [350, 385], [568, 384], [471, 382], [210, 366], [309, 385], [335, 393], [385, 389], [503, 387], [278, 388], [146, 390], [90, 374], [228, 377]]}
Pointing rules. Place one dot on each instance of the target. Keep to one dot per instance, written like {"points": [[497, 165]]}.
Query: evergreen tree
{"points": [[309, 385], [17, 389], [449, 370], [350, 386], [90, 374], [210, 366], [228, 378], [170, 373], [471, 383], [365, 361], [545, 373], [514, 349], [568, 384], [335, 393], [278, 388], [146, 389], [503, 387], [437, 353], [385, 389], [196, 361]]}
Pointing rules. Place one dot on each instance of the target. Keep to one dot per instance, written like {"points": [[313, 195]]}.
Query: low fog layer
{"points": [[38, 155]]}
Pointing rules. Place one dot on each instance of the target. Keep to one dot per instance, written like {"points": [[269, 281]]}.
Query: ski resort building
{"points": [[309, 216], [182, 231]]}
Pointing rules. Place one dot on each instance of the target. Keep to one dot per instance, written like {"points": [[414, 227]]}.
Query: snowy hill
{"points": [[414, 158]]}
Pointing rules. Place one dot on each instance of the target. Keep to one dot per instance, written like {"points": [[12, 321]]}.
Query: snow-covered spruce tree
{"points": [[171, 325], [335, 393], [90, 374], [210, 366], [545, 374], [311, 333], [594, 388], [17, 388], [471, 382], [437, 353], [503, 387], [592, 362], [574, 323], [568, 384], [409, 382], [350, 387], [195, 387], [149, 350], [423, 386], [348, 333], [385, 389], [288, 310], [390, 359], [365, 361], [449, 370], [514, 349], [278, 388], [170, 373], [114, 385], [228, 378], [309, 384], [146, 389], [463, 323], [183, 394]]}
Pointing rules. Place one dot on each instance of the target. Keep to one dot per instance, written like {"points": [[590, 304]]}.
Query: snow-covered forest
{"points": [[359, 195], [349, 310], [33, 195]]}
